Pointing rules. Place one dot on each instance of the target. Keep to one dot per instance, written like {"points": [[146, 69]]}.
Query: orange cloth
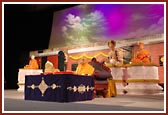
{"points": [[112, 90], [32, 64], [84, 69], [142, 56]]}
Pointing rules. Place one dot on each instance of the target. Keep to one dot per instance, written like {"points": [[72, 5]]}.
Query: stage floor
{"points": [[14, 102]]}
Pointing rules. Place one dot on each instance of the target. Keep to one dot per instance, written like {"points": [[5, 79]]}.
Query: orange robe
{"points": [[84, 69], [33, 64], [142, 56]]}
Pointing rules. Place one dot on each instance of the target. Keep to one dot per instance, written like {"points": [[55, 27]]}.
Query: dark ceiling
{"points": [[30, 22], [36, 7], [27, 27]]}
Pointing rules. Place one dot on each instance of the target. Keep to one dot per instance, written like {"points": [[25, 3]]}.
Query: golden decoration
{"points": [[89, 57], [87, 88], [141, 64], [33, 86], [162, 59], [43, 86], [138, 80], [53, 86], [131, 65], [81, 88]]}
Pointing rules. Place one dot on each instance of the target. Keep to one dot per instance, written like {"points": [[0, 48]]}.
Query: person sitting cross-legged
{"points": [[84, 68]]}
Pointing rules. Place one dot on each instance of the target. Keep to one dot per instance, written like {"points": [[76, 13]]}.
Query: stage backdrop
{"points": [[84, 24]]}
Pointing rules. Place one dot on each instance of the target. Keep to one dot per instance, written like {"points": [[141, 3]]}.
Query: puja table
{"points": [[21, 76], [118, 75], [59, 87], [141, 79]]}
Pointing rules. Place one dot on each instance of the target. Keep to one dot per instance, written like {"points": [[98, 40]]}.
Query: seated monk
{"points": [[142, 56], [84, 68], [33, 64], [103, 79], [49, 68], [101, 72]]}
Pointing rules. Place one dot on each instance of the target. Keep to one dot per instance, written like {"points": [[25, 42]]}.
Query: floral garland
{"points": [[89, 57]]}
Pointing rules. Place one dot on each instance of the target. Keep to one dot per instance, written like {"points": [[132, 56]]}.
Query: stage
{"points": [[14, 102]]}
